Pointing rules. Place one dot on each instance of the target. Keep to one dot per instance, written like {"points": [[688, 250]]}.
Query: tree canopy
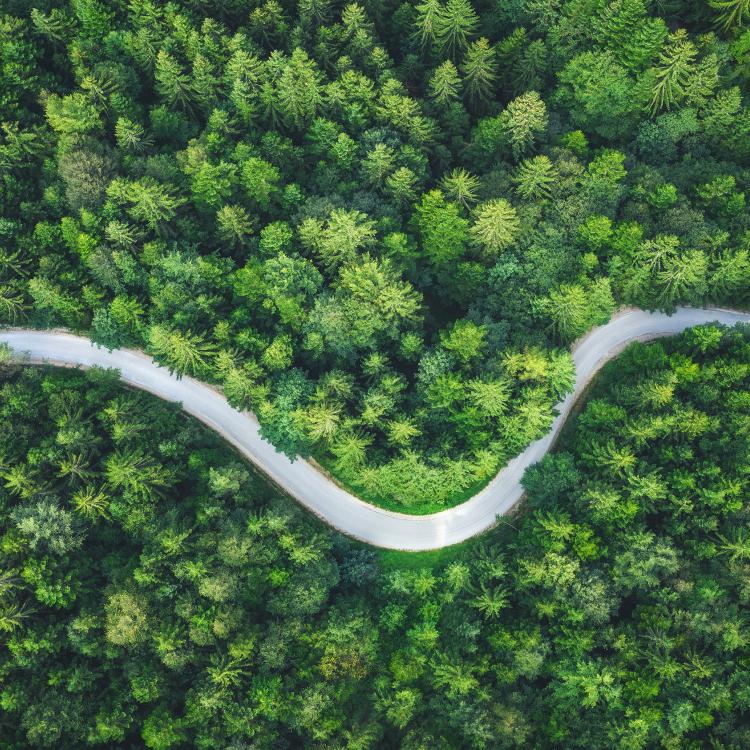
{"points": [[303, 203], [156, 593]]}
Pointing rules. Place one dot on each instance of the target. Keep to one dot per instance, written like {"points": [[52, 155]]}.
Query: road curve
{"points": [[304, 482]]}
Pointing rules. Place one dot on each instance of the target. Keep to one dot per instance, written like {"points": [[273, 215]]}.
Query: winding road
{"points": [[307, 484]]}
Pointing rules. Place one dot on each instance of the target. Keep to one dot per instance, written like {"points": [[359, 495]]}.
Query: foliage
{"points": [[302, 204], [211, 612]]}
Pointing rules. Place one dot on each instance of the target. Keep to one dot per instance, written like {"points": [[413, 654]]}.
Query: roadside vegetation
{"points": [[154, 592], [378, 225]]}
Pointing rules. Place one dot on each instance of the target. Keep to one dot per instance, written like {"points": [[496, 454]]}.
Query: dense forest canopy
{"points": [[155, 593], [378, 225]]}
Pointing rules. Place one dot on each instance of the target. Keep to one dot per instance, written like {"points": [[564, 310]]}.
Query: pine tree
{"points": [[172, 83], [522, 121], [729, 273], [568, 310], [56, 24], [95, 19], [683, 277], [297, 87], [184, 353], [131, 136], [496, 226], [12, 305], [534, 178], [529, 71], [204, 82], [149, 201], [402, 185], [491, 601], [455, 25], [337, 242], [673, 71], [428, 22], [634, 37], [478, 71], [732, 12], [461, 186], [234, 225], [90, 502], [445, 83], [378, 163], [314, 11], [322, 421]]}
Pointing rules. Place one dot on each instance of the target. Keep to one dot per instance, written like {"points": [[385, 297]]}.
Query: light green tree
{"points": [[184, 353], [478, 69], [496, 226], [297, 86], [732, 13], [146, 200], [338, 240], [534, 178], [455, 25], [378, 164], [523, 121], [134, 471], [427, 22], [673, 72], [402, 185], [234, 225], [445, 83], [172, 82], [461, 186], [465, 340], [443, 231], [131, 136]]}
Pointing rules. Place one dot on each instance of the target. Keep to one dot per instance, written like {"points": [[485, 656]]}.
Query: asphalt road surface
{"points": [[307, 484]]}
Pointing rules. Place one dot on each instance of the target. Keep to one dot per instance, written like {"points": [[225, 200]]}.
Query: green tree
{"points": [[478, 70], [535, 178], [212, 184], [135, 472], [146, 200], [402, 185], [496, 226], [445, 83], [378, 164], [12, 305], [131, 136], [260, 180], [296, 82], [234, 225], [600, 95], [172, 82], [523, 121], [48, 527], [454, 25], [90, 502], [673, 72], [71, 115], [732, 13], [127, 619], [427, 22], [574, 308], [465, 340], [184, 353], [338, 240], [460, 186], [442, 229]]}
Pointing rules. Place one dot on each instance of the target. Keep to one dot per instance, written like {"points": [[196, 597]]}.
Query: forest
{"points": [[155, 593], [377, 225]]}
